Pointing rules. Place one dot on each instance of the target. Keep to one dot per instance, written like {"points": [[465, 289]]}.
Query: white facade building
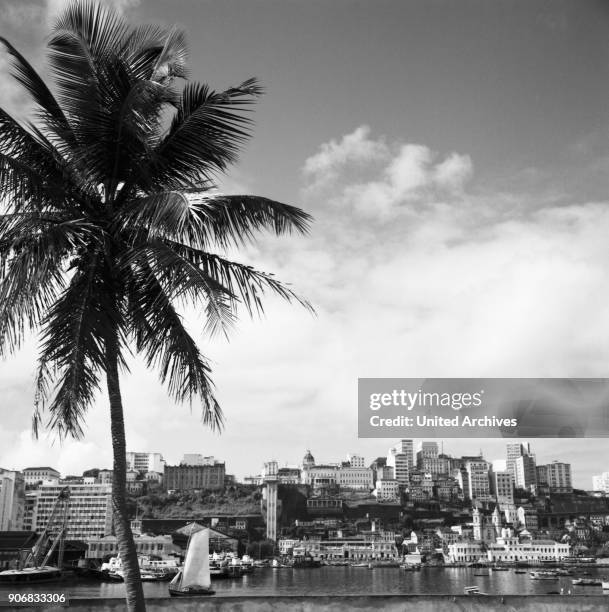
{"points": [[35, 475], [509, 548], [12, 500], [387, 489], [145, 462], [89, 510]]}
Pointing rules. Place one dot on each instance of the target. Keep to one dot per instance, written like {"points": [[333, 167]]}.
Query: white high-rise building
{"points": [[145, 462], [514, 451], [556, 475], [526, 472], [12, 500], [89, 509]]}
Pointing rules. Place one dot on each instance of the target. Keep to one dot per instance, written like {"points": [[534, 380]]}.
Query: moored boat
{"points": [[544, 575], [587, 582]]}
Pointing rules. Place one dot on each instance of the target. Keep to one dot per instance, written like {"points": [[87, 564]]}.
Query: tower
{"points": [[270, 481], [477, 524]]}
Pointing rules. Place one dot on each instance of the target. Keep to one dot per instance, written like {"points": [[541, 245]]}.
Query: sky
{"points": [[455, 157]]}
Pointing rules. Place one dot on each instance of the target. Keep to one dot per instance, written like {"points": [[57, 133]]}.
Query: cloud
{"points": [[398, 174], [354, 148]]}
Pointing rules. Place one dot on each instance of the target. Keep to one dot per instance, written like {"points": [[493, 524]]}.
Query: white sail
{"points": [[196, 564]]}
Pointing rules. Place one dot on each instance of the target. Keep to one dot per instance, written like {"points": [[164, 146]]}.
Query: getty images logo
{"points": [[425, 399]]}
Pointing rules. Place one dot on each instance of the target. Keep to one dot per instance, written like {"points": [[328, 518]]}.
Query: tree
{"points": [[110, 224]]}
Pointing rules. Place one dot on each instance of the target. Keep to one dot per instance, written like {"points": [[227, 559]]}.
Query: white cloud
{"points": [[401, 174], [353, 148]]}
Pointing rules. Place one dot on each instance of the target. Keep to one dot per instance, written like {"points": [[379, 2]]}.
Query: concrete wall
{"points": [[389, 603]]}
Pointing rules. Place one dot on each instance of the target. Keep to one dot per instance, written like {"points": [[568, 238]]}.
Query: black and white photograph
{"points": [[304, 305]]}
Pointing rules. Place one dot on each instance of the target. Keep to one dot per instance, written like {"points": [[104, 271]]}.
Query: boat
{"points": [[544, 575], [605, 584], [473, 590], [587, 582], [500, 568], [194, 578]]}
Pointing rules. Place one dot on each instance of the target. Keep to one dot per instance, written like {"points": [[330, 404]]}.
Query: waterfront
{"points": [[346, 581]]}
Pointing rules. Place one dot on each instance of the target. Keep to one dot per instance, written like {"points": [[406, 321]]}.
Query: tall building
{"points": [[478, 478], [270, 481], [89, 509], [189, 477], [145, 462], [429, 460], [514, 451], [556, 475], [600, 482], [502, 487], [406, 447], [526, 473], [12, 500]]}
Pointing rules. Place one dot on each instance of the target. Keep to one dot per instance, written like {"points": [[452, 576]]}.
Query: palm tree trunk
{"points": [[122, 527]]}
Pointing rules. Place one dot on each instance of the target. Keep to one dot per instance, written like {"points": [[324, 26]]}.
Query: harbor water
{"points": [[345, 580]]}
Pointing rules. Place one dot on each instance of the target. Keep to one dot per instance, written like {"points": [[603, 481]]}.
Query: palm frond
{"points": [[72, 354], [205, 135], [25, 74], [242, 281], [205, 220]]}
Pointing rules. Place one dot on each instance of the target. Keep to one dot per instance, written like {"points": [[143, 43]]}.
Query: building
{"points": [[526, 472], [288, 475], [362, 547], [270, 480], [400, 458], [508, 548], [514, 451], [12, 500], [36, 475], [399, 462], [478, 482], [601, 482], [355, 476], [388, 489], [197, 459], [145, 462], [89, 510], [193, 477], [502, 487], [556, 475], [157, 545], [356, 461], [466, 552], [104, 477]]}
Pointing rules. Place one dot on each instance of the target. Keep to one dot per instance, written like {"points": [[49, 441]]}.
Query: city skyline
{"points": [[454, 157], [338, 458]]}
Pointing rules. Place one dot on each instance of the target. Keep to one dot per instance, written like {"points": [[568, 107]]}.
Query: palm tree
{"points": [[110, 225]]}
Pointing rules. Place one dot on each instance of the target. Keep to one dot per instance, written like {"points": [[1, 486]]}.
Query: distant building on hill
{"points": [[189, 477]]}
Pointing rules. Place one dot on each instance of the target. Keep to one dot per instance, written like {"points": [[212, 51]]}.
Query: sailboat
{"points": [[194, 578]]}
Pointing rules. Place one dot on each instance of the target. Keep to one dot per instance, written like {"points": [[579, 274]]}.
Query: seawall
{"points": [[348, 603]]}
